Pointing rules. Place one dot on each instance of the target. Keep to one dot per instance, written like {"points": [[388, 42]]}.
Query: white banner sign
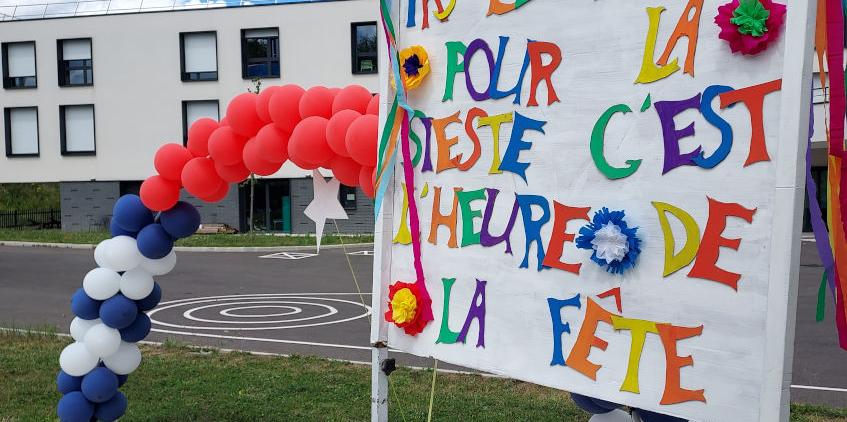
{"points": [[606, 197]]}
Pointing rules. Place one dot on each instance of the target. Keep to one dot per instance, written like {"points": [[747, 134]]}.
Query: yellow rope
{"points": [[350, 266], [362, 298], [432, 391]]}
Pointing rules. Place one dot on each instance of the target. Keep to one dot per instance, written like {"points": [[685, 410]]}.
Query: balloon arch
{"points": [[320, 127]]}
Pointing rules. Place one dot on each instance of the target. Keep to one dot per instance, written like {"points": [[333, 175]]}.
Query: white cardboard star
{"points": [[325, 205]]}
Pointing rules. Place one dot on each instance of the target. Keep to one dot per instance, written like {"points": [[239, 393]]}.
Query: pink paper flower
{"points": [[737, 22]]}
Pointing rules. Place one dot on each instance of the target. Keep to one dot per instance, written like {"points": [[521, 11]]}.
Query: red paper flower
{"points": [[408, 308], [738, 27]]}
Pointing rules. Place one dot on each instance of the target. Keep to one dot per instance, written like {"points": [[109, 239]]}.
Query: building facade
{"points": [[87, 100]]}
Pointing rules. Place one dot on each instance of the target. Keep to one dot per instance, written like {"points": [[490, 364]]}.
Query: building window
{"points": [[363, 44], [21, 131], [199, 56], [260, 53], [19, 65], [347, 197], [819, 94], [196, 110], [76, 129], [76, 67]]}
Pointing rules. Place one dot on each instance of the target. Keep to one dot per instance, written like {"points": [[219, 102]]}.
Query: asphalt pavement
{"points": [[295, 303]]}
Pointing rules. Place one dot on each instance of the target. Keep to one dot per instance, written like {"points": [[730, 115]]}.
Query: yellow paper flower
{"points": [[414, 66], [404, 304]]}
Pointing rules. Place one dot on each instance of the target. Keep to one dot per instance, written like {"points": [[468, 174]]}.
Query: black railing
{"points": [[31, 219]]}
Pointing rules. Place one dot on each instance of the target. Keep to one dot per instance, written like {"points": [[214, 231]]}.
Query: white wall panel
{"points": [[79, 128], [21, 58]]}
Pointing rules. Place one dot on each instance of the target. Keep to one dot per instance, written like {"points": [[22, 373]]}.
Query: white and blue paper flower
{"points": [[616, 245]]}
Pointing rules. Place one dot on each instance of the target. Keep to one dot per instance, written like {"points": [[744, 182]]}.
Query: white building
{"points": [[87, 100], [91, 90]]}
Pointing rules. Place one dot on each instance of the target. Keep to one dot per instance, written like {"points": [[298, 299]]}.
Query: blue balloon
{"points": [[112, 409], [587, 404], [99, 385], [648, 416], [73, 407], [151, 300], [84, 306], [67, 383], [131, 214], [122, 380], [118, 311], [154, 242], [181, 221], [117, 230], [137, 330]]}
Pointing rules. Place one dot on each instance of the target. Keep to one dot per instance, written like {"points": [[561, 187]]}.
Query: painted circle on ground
{"points": [[189, 313], [230, 312], [222, 313]]}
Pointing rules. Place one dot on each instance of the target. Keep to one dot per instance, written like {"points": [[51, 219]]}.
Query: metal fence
{"points": [[31, 219]]}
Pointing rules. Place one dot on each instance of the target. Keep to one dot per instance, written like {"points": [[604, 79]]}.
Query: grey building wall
{"points": [[360, 220], [87, 206], [225, 211]]}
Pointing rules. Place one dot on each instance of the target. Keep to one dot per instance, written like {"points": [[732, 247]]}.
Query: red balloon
{"points": [[262, 104], [236, 173], [200, 178], [317, 101], [308, 141], [218, 195], [346, 170], [224, 122], [336, 131], [361, 140], [273, 143], [225, 146], [170, 159], [198, 136], [367, 182], [373, 106], [303, 164], [284, 107], [352, 97], [158, 193], [254, 160], [242, 115]]}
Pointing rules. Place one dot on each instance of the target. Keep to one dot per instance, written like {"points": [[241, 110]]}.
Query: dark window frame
{"points": [[63, 134], [269, 60], [64, 67], [185, 116], [7, 111], [8, 80], [197, 76], [348, 205], [354, 52]]}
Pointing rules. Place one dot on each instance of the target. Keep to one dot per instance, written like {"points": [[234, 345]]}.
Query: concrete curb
{"points": [[189, 248]]}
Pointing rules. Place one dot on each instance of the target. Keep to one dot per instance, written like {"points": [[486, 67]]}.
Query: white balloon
{"points": [[102, 340], [136, 284], [100, 254], [159, 266], [122, 253], [76, 360], [616, 415], [81, 326], [125, 360], [101, 283]]}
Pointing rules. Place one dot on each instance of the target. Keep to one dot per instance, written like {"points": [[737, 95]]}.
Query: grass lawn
{"points": [[176, 383], [58, 236]]}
